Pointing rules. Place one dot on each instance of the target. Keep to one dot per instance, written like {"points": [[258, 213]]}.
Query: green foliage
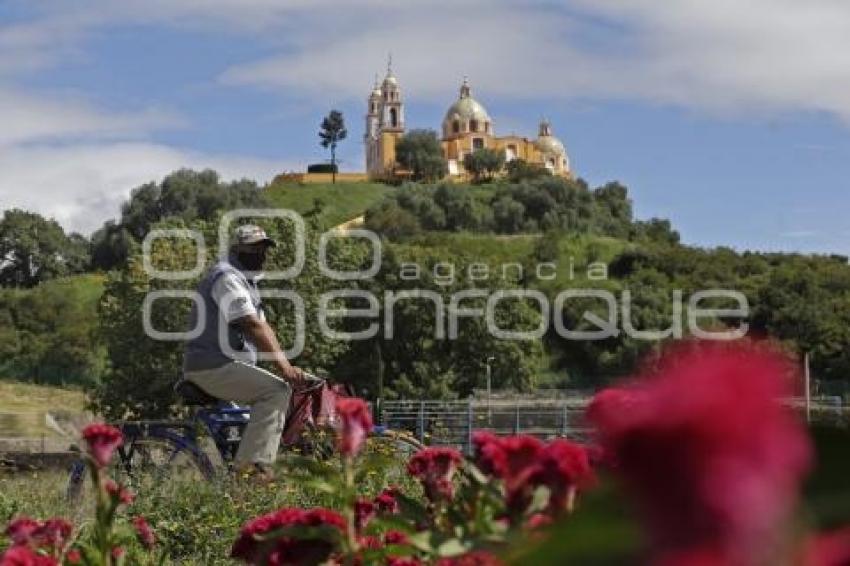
{"points": [[546, 203], [185, 194], [654, 230], [420, 152], [111, 245], [34, 249], [322, 168], [389, 219], [333, 131], [483, 164], [47, 334], [418, 364], [519, 170]]}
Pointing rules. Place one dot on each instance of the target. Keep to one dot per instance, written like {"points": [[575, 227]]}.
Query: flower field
{"points": [[694, 462]]}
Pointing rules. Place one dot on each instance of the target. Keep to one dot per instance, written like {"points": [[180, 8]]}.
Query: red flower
{"points": [[117, 552], [21, 530], [53, 534], [386, 501], [396, 537], [563, 467], [118, 493], [489, 456], [286, 550], [73, 556], [24, 556], [525, 463], [355, 424], [828, 549], [538, 521], [512, 459], [434, 467], [144, 532], [102, 441], [702, 440], [477, 558], [364, 510], [370, 542]]}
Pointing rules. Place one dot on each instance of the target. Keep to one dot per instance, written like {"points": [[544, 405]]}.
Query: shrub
{"points": [[323, 168]]}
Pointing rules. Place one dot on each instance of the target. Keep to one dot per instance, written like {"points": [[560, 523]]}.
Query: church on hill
{"points": [[466, 127]]}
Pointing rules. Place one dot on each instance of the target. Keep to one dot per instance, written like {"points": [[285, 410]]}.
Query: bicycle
{"points": [[157, 450]]}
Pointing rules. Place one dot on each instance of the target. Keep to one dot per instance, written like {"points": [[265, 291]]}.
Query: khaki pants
{"points": [[268, 396]]}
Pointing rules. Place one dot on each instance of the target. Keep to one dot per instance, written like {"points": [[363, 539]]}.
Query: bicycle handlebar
{"points": [[313, 382]]}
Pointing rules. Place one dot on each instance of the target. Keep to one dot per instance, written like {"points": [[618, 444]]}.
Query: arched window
{"points": [[487, 127], [393, 118], [473, 125], [456, 126]]}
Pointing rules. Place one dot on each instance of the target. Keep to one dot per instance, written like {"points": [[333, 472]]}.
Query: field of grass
{"points": [[16, 397], [23, 408], [341, 202]]}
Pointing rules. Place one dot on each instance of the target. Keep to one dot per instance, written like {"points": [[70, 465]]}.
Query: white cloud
{"points": [[721, 56], [724, 55], [27, 117], [81, 186]]}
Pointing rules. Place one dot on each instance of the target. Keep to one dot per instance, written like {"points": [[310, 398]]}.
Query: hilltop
{"points": [[337, 202]]}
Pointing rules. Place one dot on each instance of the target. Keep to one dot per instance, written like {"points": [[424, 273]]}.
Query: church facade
{"points": [[466, 127]]}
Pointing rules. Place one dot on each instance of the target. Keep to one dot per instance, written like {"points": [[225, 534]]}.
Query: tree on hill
{"points": [[333, 131], [521, 170], [34, 249], [419, 151], [484, 164], [185, 194]]}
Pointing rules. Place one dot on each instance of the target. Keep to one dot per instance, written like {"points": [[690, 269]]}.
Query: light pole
{"points": [[487, 362]]}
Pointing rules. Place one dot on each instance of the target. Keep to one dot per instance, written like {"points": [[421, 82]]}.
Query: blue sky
{"points": [[729, 118]]}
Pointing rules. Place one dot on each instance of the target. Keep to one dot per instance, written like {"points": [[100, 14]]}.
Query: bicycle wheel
{"points": [[145, 462]]}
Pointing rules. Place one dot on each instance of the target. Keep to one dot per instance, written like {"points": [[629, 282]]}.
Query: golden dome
{"points": [[547, 143], [466, 108], [550, 145]]}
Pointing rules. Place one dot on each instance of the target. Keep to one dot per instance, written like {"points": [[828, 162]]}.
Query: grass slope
{"points": [[23, 407], [17, 397], [341, 202]]}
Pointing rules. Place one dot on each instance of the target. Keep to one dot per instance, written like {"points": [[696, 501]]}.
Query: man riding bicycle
{"points": [[222, 359]]}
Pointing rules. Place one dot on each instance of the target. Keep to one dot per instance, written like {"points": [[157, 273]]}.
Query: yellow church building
{"points": [[466, 127]]}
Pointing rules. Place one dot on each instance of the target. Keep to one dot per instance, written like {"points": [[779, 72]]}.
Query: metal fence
{"points": [[451, 423]]}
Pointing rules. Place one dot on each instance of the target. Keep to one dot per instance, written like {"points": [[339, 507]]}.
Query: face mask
{"points": [[251, 262]]}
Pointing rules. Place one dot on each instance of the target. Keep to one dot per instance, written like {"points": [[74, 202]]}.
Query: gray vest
{"points": [[205, 351]]}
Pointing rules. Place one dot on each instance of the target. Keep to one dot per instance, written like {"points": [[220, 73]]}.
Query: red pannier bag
{"points": [[312, 407]]}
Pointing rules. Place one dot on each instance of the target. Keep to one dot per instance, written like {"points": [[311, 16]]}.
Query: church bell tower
{"points": [[384, 125]]}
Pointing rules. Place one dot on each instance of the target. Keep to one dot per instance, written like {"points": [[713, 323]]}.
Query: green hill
{"points": [[339, 202]]}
